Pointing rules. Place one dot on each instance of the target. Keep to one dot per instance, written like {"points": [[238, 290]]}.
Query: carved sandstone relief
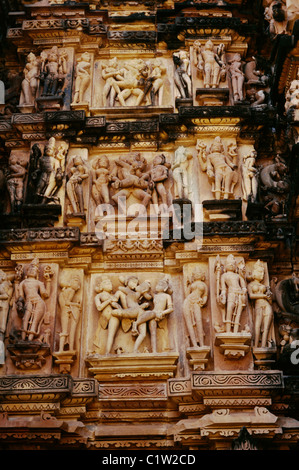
{"points": [[132, 314], [82, 81], [182, 77], [261, 297], [29, 84], [15, 175], [70, 302], [292, 98], [274, 188], [257, 82], [34, 182], [46, 173], [196, 317], [131, 83], [219, 177], [129, 185], [78, 187], [210, 78], [31, 319], [6, 294], [45, 80], [231, 320]]}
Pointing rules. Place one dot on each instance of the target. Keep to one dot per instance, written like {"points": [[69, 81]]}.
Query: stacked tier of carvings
{"points": [[135, 82], [140, 82], [42, 177], [28, 310]]}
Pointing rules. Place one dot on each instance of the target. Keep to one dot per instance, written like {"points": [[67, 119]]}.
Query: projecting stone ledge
{"points": [[130, 366]]}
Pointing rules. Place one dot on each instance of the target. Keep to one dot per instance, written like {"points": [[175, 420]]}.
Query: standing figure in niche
{"points": [[197, 297], [15, 176], [111, 73], [70, 310], [135, 73], [50, 169], [77, 174], [100, 180], [182, 74], [106, 301], [262, 297], [210, 62], [232, 294], [156, 78], [180, 168], [237, 77], [30, 81], [249, 177], [159, 174], [220, 167], [162, 306], [6, 292], [83, 77], [53, 69], [31, 300]]}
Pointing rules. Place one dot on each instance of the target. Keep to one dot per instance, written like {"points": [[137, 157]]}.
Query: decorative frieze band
{"points": [[225, 380], [212, 380]]}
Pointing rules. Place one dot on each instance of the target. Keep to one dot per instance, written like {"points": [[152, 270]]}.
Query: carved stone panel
{"points": [[131, 314], [121, 85], [30, 325]]}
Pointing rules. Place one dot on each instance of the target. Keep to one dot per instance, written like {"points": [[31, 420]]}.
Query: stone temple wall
{"points": [[149, 291]]}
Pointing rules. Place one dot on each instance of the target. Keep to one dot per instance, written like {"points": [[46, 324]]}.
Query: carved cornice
{"points": [[211, 382], [35, 384], [40, 235]]}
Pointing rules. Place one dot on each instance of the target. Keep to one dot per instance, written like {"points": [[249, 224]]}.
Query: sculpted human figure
{"points": [[180, 167], [182, 74], [274, 184], [292, 95], [133, 73], [77, 173], [53, 70], [155, 82], [50, 167], [124, 81], [130, 177], [111, 73], [210, 61], [30, 81], [237, 77], [83, 77], [106, 301], [249, 177], [6, 292], [70, 310], [159, 174], [163, 306], [31, 300], [263, 312], [196, 298], [231, 293], [100, 181], [15, 176], [220, 167], [135, 302]]}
